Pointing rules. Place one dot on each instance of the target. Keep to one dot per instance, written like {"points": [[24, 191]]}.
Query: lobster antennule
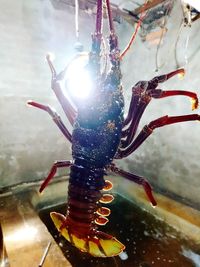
{"points": [[99, 17], [111, 25], [96, 42], [98, 244]]}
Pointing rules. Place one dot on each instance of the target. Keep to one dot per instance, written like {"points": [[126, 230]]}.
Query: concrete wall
{"points": [[30, 142]]}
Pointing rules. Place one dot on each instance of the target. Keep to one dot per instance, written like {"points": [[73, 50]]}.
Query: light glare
{"points": [[24, 233], [78, 79]]}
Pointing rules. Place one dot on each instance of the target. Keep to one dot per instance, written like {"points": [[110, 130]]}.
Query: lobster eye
{"points": [[78, 79]]}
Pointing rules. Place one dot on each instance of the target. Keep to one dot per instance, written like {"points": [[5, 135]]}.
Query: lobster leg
{"points": [[133, 107], [136, 179], [68, 108], [138, 105], [57, 164], [56, 118], [153, 83], [138, 109], [161, 94], [142, 93], [148, 129], [155, 93], [144, 90]]}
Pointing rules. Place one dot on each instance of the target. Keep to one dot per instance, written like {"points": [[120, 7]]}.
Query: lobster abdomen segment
{"points": [[84, 214]]}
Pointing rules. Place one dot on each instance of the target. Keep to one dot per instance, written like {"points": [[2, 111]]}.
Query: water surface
{"points": [[149, 241]]}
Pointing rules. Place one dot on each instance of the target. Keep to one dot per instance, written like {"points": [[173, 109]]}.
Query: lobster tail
{"points": [[98, 244], [84, 213]]}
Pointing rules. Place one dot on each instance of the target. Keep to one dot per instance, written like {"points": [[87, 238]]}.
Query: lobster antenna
{"points": [[76, 19], [143, 15], [78, 45], [111, 25], [99, 17]]}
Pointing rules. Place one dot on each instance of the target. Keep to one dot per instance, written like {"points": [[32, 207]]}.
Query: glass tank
{"points": [[99, 154]]}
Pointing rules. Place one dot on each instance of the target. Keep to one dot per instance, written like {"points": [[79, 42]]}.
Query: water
{"points": [[149, 241]]}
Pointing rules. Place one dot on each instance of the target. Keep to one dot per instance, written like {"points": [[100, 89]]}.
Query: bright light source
{"points": [[78, 79], [193, 3]]}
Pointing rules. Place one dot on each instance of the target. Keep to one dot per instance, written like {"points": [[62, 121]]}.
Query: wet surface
{"points": [[24, 237], [149, 241]]}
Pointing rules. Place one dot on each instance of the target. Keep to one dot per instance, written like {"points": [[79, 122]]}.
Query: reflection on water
{"points": [[149, 242]]}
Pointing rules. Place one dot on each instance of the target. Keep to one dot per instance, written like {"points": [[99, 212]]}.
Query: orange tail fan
{"points": [[98, 244]]}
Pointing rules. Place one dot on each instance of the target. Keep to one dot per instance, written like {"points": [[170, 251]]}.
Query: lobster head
{"points": [[89, 75]]}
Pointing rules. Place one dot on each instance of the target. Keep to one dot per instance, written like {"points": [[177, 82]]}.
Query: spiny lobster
{"points": [[100, 135]]}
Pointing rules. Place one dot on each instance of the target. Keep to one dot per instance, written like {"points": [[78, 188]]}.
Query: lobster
{"points": [[100, 135]]}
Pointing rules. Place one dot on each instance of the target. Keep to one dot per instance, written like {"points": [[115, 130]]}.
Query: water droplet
{"points": [[146, 233], [60, 244]]}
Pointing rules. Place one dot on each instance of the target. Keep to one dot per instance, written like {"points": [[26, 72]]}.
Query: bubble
{"points": [[146, 233], [123, 256]]}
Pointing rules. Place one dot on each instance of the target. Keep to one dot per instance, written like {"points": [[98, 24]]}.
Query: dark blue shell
{"points": [[97, 130]]}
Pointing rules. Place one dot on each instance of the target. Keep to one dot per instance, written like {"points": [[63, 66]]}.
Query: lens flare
{"points": [[78, 79]]}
